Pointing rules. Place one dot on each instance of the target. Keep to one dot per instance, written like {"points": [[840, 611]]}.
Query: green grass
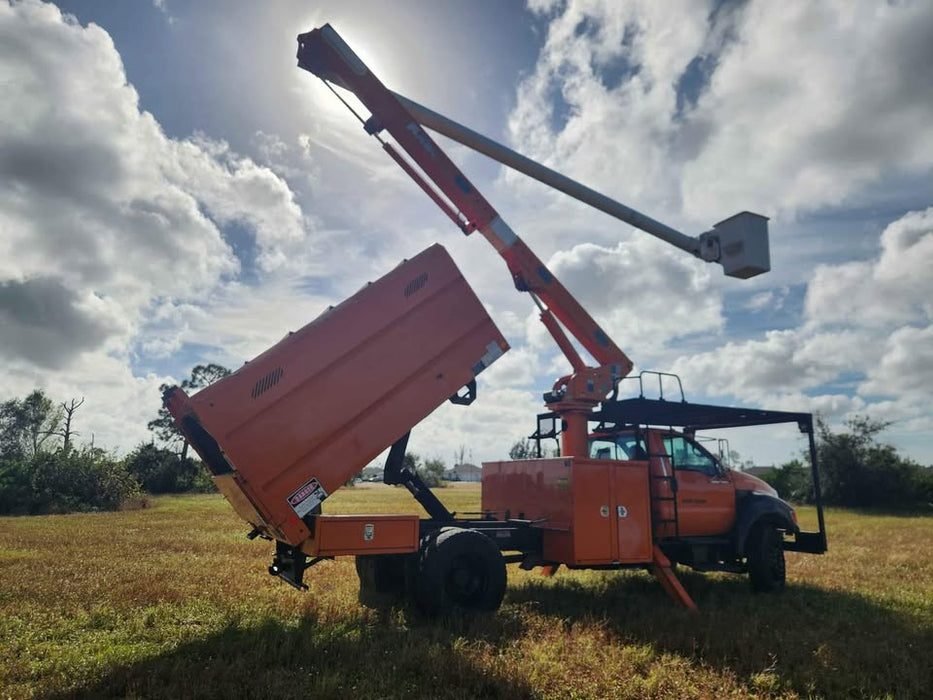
{"points": [[173, 601]]}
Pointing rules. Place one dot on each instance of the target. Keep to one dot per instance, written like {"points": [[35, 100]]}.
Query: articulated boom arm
{"points": [[739, 244], [325, 54]]}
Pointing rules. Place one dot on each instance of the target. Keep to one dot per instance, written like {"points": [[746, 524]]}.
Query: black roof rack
{"points": [[693, 416]]}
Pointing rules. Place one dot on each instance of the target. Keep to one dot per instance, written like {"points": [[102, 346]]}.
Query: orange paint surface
{"points": [[336, 535], [297, 422]]}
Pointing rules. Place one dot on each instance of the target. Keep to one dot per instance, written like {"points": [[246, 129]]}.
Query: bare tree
{"points": [[66, 430]]}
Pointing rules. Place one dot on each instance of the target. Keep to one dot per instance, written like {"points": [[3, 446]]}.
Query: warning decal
{"points": [[307, 498]]}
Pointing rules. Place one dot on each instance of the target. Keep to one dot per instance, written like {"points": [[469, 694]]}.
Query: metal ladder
{"points": [[657, 480]]}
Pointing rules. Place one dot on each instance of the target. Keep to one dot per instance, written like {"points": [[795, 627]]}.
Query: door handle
{"points": [[621, 511]]}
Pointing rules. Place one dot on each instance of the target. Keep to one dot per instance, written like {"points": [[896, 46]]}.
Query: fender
{"points": [[757, 507]]}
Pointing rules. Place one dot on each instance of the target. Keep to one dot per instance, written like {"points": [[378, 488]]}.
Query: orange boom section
{"points": [[293, 425]]}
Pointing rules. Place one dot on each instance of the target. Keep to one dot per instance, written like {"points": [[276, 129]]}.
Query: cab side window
{"points": [[689, 456], [604, 449], [622, 447]]}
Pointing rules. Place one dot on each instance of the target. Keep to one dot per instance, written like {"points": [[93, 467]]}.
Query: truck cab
{"points": [[702, 513], [707, 490]]}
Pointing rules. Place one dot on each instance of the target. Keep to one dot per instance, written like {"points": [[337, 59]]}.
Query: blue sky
{"points": [[180, 192]]}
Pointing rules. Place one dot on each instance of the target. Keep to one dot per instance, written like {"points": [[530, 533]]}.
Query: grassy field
{"points": [[173, 601]]}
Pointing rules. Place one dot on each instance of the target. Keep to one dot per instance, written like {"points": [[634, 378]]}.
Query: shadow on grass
{"points": [[364, 656], [808, 640]]}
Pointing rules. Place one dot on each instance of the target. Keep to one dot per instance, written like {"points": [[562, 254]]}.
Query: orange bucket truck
{"points": [[635, 485]]}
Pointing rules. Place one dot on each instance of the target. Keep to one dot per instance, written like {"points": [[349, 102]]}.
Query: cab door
{"points": [[705, 493]]}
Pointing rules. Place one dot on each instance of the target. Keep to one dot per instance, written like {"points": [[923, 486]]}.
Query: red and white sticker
{"points": [[307, 498]]}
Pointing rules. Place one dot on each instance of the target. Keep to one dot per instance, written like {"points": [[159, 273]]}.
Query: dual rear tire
{"points": [[454, 570]]}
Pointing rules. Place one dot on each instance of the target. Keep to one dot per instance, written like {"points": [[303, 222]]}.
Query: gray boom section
{"points": [[506, 156]]}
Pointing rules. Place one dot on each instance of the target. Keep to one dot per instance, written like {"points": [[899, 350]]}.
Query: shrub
{"points": [[792, 481], [857, 471], [15, 486], [78, 480], [160, 470], [432, 473]]}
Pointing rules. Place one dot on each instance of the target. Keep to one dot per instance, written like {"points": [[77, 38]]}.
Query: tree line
{"points": [[44, 469], [856, 471]]}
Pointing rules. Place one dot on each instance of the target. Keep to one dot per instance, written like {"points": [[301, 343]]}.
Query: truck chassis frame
{"points": [[520, 539]]}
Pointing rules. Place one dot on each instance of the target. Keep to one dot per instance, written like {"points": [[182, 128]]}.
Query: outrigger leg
{"points": [[661, 568]]}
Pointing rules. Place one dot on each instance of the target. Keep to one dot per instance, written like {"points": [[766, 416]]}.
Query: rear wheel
{"points": [[460, 570], [765, 553]]}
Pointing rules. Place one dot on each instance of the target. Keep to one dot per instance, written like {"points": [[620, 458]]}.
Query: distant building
{"points": [[372, 474], [464, 472]]}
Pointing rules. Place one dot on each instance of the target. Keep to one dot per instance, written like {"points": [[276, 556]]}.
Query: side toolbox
{"points": [[335, 535], [592, 512]]}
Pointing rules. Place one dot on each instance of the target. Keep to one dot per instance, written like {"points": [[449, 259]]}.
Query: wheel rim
{"points": [[466, 580]]}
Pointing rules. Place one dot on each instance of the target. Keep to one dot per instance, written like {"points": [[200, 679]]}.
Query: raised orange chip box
{"points": [[290, 427]]}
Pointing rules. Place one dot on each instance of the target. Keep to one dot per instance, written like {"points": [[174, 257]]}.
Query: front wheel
{"points": [[765, 553], [460, 570]]}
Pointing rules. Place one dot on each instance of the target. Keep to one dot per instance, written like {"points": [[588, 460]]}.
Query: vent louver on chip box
{"points": [[416, 284], [267, 382]]}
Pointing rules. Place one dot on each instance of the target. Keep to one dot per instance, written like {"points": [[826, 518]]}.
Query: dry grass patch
{"points": [[173, 601]]}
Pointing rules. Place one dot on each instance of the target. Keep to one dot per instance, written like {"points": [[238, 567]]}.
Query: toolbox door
{"points": [[593, 524], [631, 512]]}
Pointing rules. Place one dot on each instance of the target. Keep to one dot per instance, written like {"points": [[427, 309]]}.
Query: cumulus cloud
{"points": [[782, 363], [118, 402], [811, 102], [896, 287], [108, 227], [494, 422], [692, 112], [101, 212], [771, 299], [518, 368], [868, 326], [644, 294], [44, 321], [601, 102], [755, 106], [906, 367], [117, 241]]}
